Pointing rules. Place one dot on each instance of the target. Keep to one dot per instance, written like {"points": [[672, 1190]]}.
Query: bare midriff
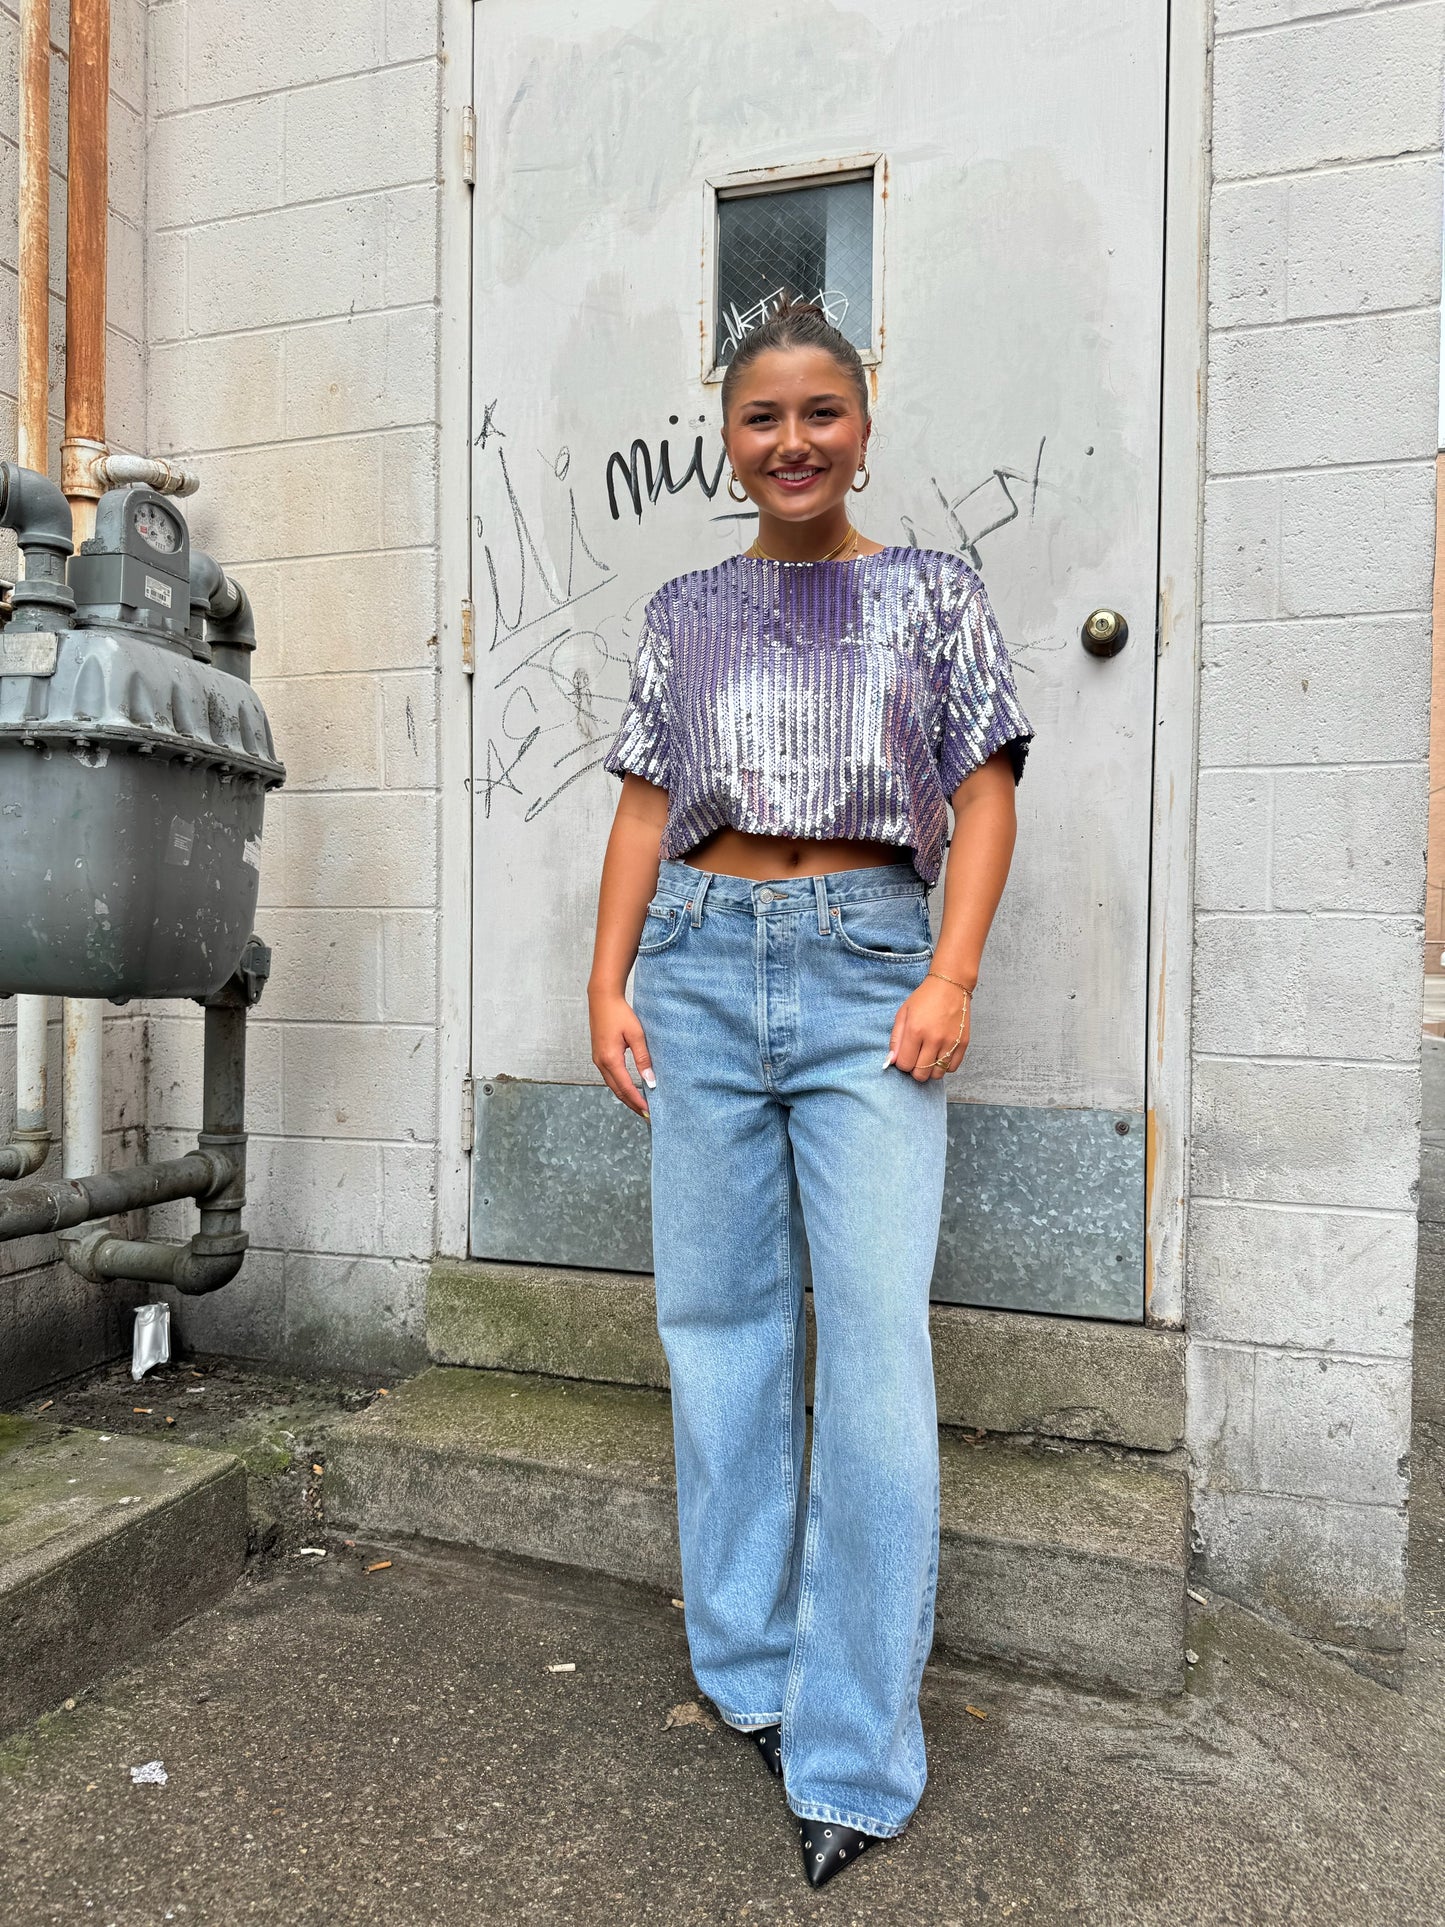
{"points": [[769, 859]]}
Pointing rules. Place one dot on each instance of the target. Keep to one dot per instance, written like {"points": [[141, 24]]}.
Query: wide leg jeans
{"points": [[768, 1009]]}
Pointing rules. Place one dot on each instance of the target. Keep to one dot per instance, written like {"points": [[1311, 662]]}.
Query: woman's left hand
{"points": [[927, 1039]]}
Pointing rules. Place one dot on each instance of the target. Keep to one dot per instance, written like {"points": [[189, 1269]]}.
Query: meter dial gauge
{"points": [[157, 527]]}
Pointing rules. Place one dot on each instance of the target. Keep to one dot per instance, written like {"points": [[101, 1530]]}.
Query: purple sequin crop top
{"points": [[819, 699]]}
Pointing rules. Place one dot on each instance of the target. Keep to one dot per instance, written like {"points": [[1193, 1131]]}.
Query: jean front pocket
{"points": [[663, 925], [887, 929]]}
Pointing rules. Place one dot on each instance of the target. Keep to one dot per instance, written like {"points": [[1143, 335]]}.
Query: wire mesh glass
{"points": [[814, 241]]}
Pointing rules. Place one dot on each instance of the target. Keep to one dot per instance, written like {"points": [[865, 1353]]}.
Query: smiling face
{"points": [[796, 433]]}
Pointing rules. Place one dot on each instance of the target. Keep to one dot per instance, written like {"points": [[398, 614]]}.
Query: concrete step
{"points": [[1063, 1559], [105, 1544], [997, 1371]]}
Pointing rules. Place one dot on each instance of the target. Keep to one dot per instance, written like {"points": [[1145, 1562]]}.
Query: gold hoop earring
{"points": [[732, 477], [858, 487]]}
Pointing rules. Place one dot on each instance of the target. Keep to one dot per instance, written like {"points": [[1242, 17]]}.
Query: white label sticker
{"points": [[252, 852], [157, 591], [183, 836], [29, 655]]}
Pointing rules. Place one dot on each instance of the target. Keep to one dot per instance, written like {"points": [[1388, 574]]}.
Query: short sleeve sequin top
{"points": [[820, 699]]}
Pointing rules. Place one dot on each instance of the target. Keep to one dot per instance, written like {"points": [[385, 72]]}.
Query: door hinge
{"points": [[469, 652], [469, 1113], [469, 146]]}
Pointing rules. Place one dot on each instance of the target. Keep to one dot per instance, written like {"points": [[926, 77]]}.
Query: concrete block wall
{"points": [[51, 1324], [293, 311], [1324, 279]]}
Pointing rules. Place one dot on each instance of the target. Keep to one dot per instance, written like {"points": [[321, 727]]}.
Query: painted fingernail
{"points": [[891, 1058], [649, 1080]]}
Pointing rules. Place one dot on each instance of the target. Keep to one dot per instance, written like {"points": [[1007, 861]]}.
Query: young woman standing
{"points": [[800, 717]]}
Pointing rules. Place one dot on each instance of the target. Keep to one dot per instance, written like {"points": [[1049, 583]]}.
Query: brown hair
{"points": [[796, 324]]}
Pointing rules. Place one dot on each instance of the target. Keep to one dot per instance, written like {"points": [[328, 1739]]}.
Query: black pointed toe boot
{"points": [[769, 1742], [828, 1849]]}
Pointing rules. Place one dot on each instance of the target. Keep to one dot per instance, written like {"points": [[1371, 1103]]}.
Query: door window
{"points": [[812, 239]]}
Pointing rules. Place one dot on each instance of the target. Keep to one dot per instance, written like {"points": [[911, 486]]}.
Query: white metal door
{"points": [[1019, 291]]}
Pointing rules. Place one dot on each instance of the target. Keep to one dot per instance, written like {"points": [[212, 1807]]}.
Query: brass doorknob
{"points": [[1104, 632]]}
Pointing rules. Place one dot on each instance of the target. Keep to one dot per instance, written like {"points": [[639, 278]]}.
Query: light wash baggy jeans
{"points": [[768, 1009]]}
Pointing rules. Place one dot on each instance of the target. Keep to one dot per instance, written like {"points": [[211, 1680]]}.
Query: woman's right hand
{"points": [[615, 1032]]}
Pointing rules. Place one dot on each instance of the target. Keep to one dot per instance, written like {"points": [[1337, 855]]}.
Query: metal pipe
{"points": [[34, 364], [217, 1251], [31, 1209], [88, 166], [115, 470], [87, 207], [82, 1094], [29, 1144]]}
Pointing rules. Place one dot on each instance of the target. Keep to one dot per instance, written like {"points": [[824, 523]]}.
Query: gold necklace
{"points": [[844, 551]]}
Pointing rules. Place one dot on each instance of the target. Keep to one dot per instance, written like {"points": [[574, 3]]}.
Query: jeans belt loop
{"points": [[820, 893], [697, 902]]}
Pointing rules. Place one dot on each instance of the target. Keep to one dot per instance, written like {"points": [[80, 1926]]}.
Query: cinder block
{"points": [[273, 852], [327, 729], [1231, 839], [1364, 238], [367, 131], [1328, 90], [165, 58], [314, 1194], [1315, 691], [128, 53], [1327, 1134], [412, 32], [367, 371], [409, 730], [359, 1080], [127, 142], [1357, 539], [1248, 253], [275, 43], [216, 162], [362, 492], [125, 277], [1355, 390], [375, 611], [303, 263], [125, 387], [1240, 16], [1335, 1573], [165, 288], [408, 1215], [325, 965], [409, 966], [55, 1324], [1321, 1280], [1241, 547], [354, 1314], [245, 1319], [1350, 839], [1299, 1425], [222, 393], [361, 852], [1307, 986]]}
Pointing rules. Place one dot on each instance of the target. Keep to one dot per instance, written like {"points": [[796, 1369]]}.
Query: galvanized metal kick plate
{"points": [[1043, 1209]]}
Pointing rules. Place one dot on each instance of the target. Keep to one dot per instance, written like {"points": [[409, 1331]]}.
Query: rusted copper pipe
{"points": [[88, 165], [34, 369]]}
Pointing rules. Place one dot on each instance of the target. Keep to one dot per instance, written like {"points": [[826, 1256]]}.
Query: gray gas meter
{"points": [[136, 568], [134, 755]]}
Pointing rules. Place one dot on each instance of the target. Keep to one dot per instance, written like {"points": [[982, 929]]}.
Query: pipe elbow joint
{"points": [[23, 1156], [32, 505]]}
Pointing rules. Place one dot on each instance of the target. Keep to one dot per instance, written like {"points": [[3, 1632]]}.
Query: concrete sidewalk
{"points": [[345, 1745]]}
